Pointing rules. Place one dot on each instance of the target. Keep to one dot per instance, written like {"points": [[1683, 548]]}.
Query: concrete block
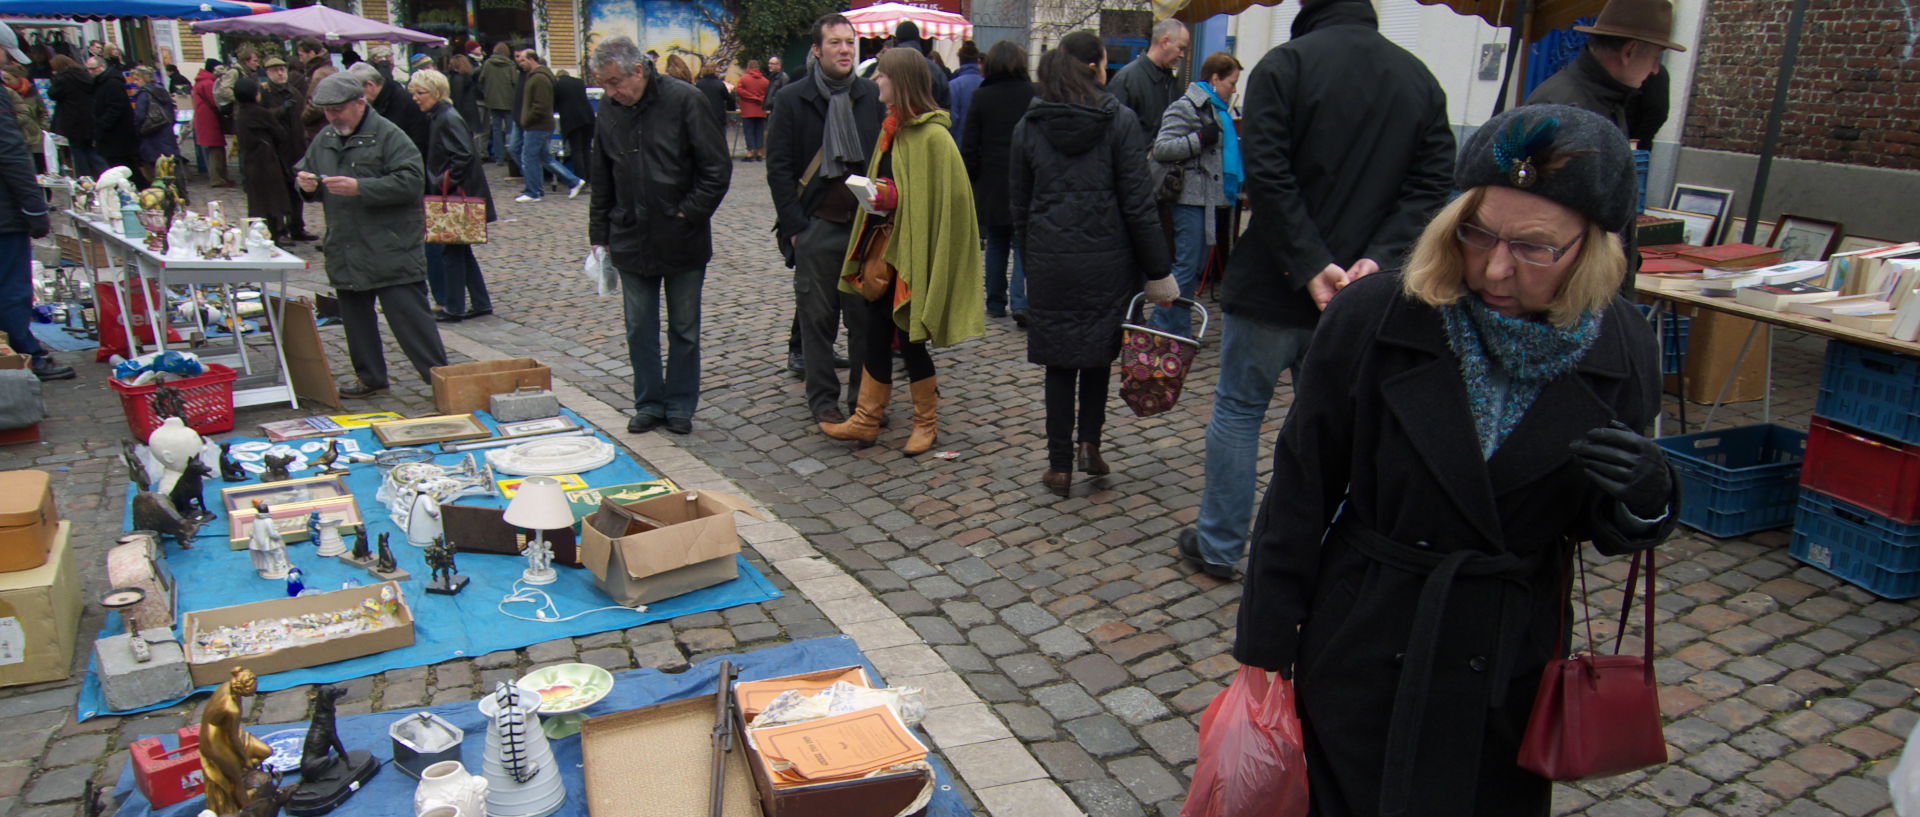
{"points": [[129, 684]]}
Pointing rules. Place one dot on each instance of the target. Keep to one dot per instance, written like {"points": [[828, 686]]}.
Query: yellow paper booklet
{"points": [[838, 748]]}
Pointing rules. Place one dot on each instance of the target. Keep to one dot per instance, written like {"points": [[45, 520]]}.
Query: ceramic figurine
{"points": [[327, 459], [440, 561], [226, 750], [329, 542], [296, 581], [154, 511], [447, 783], [259, 240], [522, 778], [173, 445], [230, 470], [313, 527], [269, 550], [233, 244], [423, 521], [385, 563], [539, 563], [329, 773], [179, 239], [188, 494], [277, 467]]}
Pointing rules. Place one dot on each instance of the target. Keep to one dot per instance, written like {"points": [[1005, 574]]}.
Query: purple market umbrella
{"points": [[334, 27]]}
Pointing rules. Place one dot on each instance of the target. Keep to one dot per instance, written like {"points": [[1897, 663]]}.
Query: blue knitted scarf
{"points": [[1525, 352]]}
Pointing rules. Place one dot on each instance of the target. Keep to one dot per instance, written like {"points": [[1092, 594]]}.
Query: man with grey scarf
{"points": [[821, 129]]}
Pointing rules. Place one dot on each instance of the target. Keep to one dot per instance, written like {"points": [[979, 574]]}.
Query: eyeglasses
{"points": [[1526, 252]]}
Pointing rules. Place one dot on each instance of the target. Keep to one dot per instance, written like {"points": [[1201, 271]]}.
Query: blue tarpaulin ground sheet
{"points": [[445, 627], [390, 793]]}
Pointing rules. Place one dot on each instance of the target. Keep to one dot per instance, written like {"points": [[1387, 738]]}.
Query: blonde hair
{"points": [[1436, 269], [431, 81]]}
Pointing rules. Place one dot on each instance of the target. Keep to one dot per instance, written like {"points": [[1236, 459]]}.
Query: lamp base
{"points": [[542, 576]]}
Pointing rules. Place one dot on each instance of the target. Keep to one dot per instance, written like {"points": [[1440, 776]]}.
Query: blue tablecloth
{"points": [[445, 627], [390, 793]]}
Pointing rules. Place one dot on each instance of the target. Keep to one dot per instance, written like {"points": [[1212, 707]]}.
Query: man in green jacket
{"points": [[367, 174], [536, 133], [499, 80]]}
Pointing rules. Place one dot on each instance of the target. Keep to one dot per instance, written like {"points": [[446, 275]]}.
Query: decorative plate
{"points": [[567, 688], [287, 746], [566, 455]]}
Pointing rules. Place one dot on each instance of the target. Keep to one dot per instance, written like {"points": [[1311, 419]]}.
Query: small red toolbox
{"points": [[168, 776]]}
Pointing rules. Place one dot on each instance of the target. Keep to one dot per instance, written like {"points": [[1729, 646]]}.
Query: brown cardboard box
{"points": [[880, 796], [305, 655], [662, 547], [1714, 342], [39, 614], [13, 360], [465, 387], [27, 518]]}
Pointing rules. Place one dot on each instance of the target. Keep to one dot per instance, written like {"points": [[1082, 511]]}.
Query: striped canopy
{"points": [[879, 21]]}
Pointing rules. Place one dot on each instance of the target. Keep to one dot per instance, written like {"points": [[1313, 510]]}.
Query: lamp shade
{"points": [[540, 504]]}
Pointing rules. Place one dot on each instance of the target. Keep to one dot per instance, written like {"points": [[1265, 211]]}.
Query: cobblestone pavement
{"points": [[1068, 643]]}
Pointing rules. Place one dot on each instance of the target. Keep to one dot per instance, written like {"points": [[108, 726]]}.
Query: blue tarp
{"points": [[445, 627], [390, 793]]}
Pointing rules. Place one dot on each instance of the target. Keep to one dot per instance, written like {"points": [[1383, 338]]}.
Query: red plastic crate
{"points": [[209, 399], [1874, 473]]}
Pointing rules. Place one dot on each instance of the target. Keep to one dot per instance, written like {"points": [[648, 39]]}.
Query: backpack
{"points": [[159, 114], [223, 97]]}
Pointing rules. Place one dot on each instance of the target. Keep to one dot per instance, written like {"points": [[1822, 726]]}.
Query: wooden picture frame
{"points": [[290, 518], [1714, 201], [1801, 238], [1854, 243], [1737, 226], [1699, 226], [426, 430], [544, 425], [306, 489]]}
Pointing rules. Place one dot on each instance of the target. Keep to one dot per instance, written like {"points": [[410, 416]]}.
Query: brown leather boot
{"points": [[864, 426], [1059, 482], [1090, 462], [926, 415]]}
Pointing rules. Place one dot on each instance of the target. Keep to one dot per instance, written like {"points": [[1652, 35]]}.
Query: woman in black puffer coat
{"points": [[1083, 208]]}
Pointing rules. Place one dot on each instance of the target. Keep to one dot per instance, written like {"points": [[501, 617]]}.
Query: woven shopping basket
{"points": [[1154, 364]]}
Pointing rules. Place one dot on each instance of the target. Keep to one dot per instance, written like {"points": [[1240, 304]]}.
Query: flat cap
{"points": [[1572, 156], [276, 60], [339, 88]]}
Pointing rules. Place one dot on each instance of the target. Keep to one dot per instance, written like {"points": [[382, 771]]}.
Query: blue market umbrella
{"points": [[108, 9]]}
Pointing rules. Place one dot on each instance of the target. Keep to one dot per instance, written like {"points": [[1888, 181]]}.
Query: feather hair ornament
{"points": [[1525, 153]]}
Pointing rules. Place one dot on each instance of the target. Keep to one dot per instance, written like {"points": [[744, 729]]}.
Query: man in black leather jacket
{"points": [[23, 217]]}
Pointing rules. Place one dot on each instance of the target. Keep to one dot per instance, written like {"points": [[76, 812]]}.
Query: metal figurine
{"points": [[188, 495], [329, 774], [266, 795], [385, 563], [361, 550], [440, 560], [326, 460], [277, 468], [155, 512], [169, 402], [230, 470], [226, 750]]}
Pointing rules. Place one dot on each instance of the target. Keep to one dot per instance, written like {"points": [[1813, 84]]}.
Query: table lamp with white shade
{"points": [[540, 506]]}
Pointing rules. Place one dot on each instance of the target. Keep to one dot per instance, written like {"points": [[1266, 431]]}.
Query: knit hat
{"points": [[421, 61], [213, 64], [339, 88], [1569, 155]]}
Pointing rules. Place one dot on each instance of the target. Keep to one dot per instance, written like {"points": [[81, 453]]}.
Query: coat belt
{"points": [[1416, 673]]}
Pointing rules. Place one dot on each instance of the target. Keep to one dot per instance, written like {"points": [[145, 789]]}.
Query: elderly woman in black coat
{"points": [[986, 142], [1084, 212], [1458, 429], [262, 135], [452, 164]]}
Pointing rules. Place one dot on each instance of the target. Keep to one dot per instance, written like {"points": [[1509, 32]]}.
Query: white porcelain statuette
{"points": [[447, 783]]}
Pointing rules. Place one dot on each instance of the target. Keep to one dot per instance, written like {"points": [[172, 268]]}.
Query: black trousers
{"points": [[1063, 385], [880, 335], [405, 306], [820, 307]]}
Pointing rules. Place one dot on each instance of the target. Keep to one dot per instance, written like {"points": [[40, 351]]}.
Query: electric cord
{"points": [[546, 612]]}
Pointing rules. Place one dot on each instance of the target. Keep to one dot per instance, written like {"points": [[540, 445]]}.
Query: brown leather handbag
{"points": [[875, 274], [1598, 715]]}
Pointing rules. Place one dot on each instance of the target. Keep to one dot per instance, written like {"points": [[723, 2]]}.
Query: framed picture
{"points": [[1700, 226], [290, 518], [1711, 201], [307, 489], [1737, 227], [425, 430], [1855, 243], [544, 425], [1804, 239]]}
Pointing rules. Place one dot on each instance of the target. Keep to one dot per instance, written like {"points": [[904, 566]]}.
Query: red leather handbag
{"points": [[1598, 715]]}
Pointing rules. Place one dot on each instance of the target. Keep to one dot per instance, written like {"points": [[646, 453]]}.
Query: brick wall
{"points": [[1855, 97]]}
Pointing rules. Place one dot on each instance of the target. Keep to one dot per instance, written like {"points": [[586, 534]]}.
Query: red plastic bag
{"points": [[113, 336], [1252, 760]]}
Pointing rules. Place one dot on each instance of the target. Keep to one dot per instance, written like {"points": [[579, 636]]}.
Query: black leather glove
{"points": [[38, 226], [1209, 134], [1629, 467]]}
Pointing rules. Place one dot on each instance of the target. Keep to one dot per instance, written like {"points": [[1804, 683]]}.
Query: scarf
{"points": [[1506, 362], [840, 144], [1230, 164]]}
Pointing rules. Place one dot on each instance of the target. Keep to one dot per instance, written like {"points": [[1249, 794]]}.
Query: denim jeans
{"points": [[1189, 255], [436, 274], [500, 138], [1003, 243], [452, 273], [16, 293], [535, 154], [1252, 355], [676, 394]]}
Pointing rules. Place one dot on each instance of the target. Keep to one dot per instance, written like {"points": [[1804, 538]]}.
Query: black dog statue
{"points": [[230, 470], [329, 773], [187, 494]]}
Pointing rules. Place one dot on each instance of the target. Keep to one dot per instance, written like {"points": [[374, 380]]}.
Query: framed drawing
{"points": [[1737, 227], [1712, 201], [307, 489], [290, 518], [425, 430], [544, 425], [1700, 226], [1854, 243], [1804, 239]]}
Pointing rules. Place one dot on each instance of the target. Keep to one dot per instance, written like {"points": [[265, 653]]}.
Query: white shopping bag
{"points": [[599, 269]]}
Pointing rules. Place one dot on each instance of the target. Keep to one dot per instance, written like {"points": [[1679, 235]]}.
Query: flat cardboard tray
{"points": [[304, 655]]}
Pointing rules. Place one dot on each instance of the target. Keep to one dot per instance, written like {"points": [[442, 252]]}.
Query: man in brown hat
{"points": [[1623, 51]]}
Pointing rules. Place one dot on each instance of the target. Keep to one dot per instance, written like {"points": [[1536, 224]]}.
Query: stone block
{"points": [[129, 684]]}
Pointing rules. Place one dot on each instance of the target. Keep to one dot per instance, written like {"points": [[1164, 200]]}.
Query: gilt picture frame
{"points": [[427, 430]]}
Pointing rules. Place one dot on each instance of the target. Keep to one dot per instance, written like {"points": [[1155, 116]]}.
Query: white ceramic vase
{"points": [[522, 779], [447, 784]]}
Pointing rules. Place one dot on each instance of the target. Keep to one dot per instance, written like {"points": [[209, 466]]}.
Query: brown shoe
{"points": [[1059, 482], [864, 426], [926, 416], [1090, 462]]}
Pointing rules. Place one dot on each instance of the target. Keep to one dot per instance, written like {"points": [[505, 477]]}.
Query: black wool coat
{"points": [[571, 102], [1080, 199], [987, 145], [452, 158], [72, 95], [264, 143], [660, 169], [115, 136], [1381, 434], [796, 127]]}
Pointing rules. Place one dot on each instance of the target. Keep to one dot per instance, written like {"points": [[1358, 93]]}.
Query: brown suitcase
{"points": [[27, 519]]}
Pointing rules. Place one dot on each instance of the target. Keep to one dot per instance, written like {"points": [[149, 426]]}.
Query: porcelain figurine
{"points": [[268, 548], [423, 521], [296, 581], [227, 751], [329, 773], [259, 240], [173, 445]]}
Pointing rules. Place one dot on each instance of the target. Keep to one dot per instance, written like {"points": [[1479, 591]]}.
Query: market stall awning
{"points": [[110, 9], [333, 26], [879, 21], [1542, 16]]}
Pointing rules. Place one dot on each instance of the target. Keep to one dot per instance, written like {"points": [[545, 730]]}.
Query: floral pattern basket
{"points": [[1154, 364], [456, 218]]}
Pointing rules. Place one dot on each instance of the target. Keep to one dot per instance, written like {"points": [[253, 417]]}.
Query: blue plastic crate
{"points": [[1674, 330], [1857, 545], [1871, 390], [1735, 481]]}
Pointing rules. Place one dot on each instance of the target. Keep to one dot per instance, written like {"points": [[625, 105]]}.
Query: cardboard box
{"points": [[304, 655], [1713, 344], [39, 617], [27, 519], [467, 387], [662, 547], [881, 796]]}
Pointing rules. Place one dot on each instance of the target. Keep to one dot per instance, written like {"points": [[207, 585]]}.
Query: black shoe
{"points": [[831, 415], [796, 365], [45, 368], [841, 362], [1190, 551], [996, 313], [475, 313], [1020, 318], [357, 390], [643, 423], [680, 425], [304, 237], [443, 316]]}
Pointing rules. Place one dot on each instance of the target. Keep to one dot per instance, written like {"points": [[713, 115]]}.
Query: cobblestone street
{"points": [[1068, 652]]}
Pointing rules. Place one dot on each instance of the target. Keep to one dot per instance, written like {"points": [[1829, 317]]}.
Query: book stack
{"points": [[1688, 268], [1723, 282], [1778, 297], [841, 747], [1863, 272]]}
